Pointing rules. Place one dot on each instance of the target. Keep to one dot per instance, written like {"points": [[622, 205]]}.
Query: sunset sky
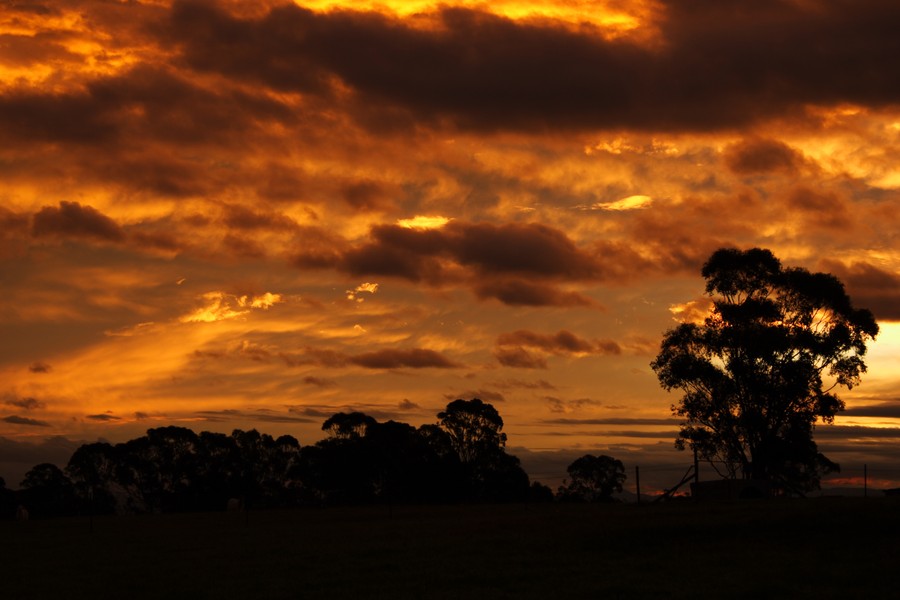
{"points": [[229, 214]]}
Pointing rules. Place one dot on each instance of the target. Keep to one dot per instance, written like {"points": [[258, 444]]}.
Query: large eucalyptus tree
{"points": [[762, 369]]}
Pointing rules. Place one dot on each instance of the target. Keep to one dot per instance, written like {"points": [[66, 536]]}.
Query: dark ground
{"points": [[816, 548]]}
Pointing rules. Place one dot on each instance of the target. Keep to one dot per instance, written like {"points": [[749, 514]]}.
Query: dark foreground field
{"points": [[818, 548]]}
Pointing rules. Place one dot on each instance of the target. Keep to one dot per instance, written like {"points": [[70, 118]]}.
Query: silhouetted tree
{"points": [[399, 460], [474, 428], [8, 501], [447, 478], [340, 470], [754, 373], [47, 492], [99, 477], [171, 458], [474, 431], [347, 425], [499, 478], [593, 479], [217, 476], [538, 492], [263, 467]]}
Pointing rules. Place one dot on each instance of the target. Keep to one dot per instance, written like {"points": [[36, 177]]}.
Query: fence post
{"points": [[637, 480]]}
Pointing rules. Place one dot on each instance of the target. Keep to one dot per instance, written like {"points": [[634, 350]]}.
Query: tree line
{"points": [[461, 458], [757, 374]]}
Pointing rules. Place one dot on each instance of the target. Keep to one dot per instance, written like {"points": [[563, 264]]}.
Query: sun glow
{"points": [[423, 222], [630, 203], [219, 306], [613, 20]]}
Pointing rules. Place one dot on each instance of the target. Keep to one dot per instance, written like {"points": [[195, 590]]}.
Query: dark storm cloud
{"points": [[103, 417], [11, 221], [716, 64], [415, 358], [280, 183], [558, 405], [156, 240], [824, 209], [312, 412], [72, 220], [213, 40], [527, 249], [28, 50], [519, 358], [145, 103], [242, 217], [317, 248], [507, 384], [264, 416], [563, 342], [750, 157], [842, 432], [390, 358], [869, 287], [34, 8], [23, 403], [885, 410], [17, 420], [511, 262], [367, 195], [243, 247], [676, 242], [398, 252], [515, 292]]}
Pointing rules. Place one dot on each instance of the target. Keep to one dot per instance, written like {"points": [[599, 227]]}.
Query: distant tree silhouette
{"points": [[265, 467], [340, 470], [474, 431], [217, 470], [173, 469], [753, 375], [347, 425], [365, 461], [593, 479], [100, 474], [47, 492], [406, 467], [538, 492], [474, 428], [168, 458], [447, 480], [8, 501]]}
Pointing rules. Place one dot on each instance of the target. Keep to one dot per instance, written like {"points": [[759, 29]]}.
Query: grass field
{"points": [[817, 548]]}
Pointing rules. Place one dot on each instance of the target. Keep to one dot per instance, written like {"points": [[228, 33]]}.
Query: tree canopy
{"points": [[362, 460], [761, 369], [474, 428], [593, 479]]}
